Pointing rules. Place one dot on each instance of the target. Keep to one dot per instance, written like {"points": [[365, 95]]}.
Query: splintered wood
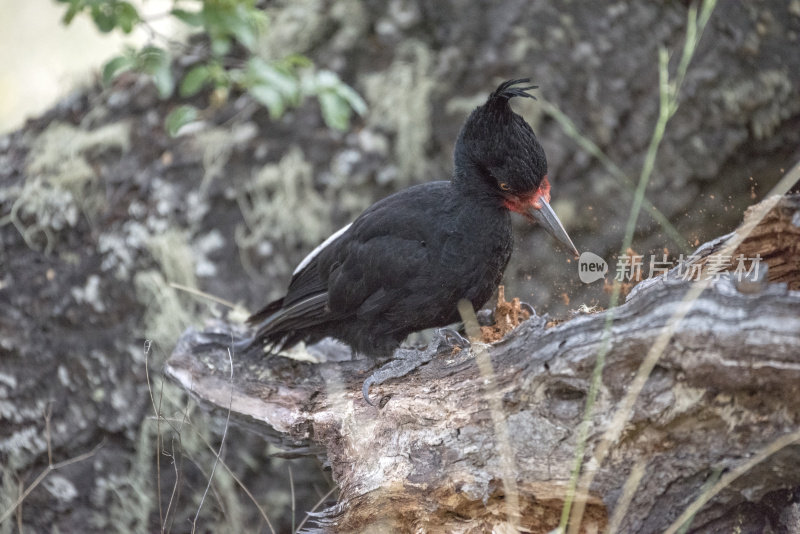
{"points": [[775, 239], [507, 316]]}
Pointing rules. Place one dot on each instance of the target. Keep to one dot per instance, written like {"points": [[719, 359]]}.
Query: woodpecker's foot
{"points": [[406, 360], [450, 337]]}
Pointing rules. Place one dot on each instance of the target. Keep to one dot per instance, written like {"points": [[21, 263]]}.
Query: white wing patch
{"points": [[319, 249]]}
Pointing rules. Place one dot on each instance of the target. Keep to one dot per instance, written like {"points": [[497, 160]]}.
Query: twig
{"points": [[49, 469], [175, 495], [198, 293], [231, 473], [147, 346], [47, 415], [291, 489], [155, 34], [221, 444]]}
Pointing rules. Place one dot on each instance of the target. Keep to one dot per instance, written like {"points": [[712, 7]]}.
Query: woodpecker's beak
{"points": [[545, 216]]}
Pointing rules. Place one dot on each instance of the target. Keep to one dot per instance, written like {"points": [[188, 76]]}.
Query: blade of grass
{"points": [[622, 414], [502, 438], [624, 181], [597, 374], [668, 103], [707, 485], [208, 296], [728, 478], [628, 493]]}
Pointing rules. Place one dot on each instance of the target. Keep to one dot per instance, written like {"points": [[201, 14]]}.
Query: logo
{"points": [[591, 267]]}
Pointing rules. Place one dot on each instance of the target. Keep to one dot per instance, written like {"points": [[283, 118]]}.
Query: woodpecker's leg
{"points": [[406, 360]]}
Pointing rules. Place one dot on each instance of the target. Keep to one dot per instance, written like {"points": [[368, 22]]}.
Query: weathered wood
{"points": [[438, 456]]}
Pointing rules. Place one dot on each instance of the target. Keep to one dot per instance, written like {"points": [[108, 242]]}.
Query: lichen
{"points": [[60, 182], [90, 294], [766, 100], [202, 247], [61, 488], [128, 501], [58, 159], [399, 100], [280, 202], [173, 254], [298, 27], [217, 145], [167, 310]]}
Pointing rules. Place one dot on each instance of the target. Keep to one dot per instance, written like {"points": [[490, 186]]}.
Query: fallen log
{"points": [[453, 447]]}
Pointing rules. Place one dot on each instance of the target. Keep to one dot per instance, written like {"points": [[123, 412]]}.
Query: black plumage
{"points": [[405, 262]]}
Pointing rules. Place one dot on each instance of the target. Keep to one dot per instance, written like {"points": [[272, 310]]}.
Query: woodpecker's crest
{"points": [[498, 148], [507, 90]]}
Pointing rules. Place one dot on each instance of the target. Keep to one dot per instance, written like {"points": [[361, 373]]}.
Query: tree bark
{"points": [[454, 448]]}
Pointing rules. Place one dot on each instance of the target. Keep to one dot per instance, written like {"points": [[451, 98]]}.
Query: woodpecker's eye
{"points": [[504, 186]]}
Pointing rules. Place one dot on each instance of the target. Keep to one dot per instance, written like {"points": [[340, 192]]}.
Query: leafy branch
{"points": [[230, 63]]}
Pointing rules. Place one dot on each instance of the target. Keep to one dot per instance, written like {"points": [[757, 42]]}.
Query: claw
{"points": [[365, 388], [527, 307], [453, 338], [407, 360]]}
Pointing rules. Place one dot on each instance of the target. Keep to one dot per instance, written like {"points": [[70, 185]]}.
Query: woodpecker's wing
{"points": [[357, 272], [303, 306]]}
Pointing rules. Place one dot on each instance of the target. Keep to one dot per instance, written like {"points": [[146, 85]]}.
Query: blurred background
{"points": [[43, 59], [210, 145]]}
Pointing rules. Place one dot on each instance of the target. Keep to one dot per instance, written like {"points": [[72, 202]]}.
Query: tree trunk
{"points": [[454, 447]]}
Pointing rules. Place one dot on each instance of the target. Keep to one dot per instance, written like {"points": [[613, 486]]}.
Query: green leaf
{"points": [[75, 7], [293, 61], [230, 76], [243, 27], [212, 15], [337, 99], [165, 82], [352, 98], [156, 63], [192, 18], [220, 45], [335, 110], [103, 17], [281, 80], [226, 20], [270, 98], [178, 118], [194, 81], [126, 15], [116, 66], [150, 56]]}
